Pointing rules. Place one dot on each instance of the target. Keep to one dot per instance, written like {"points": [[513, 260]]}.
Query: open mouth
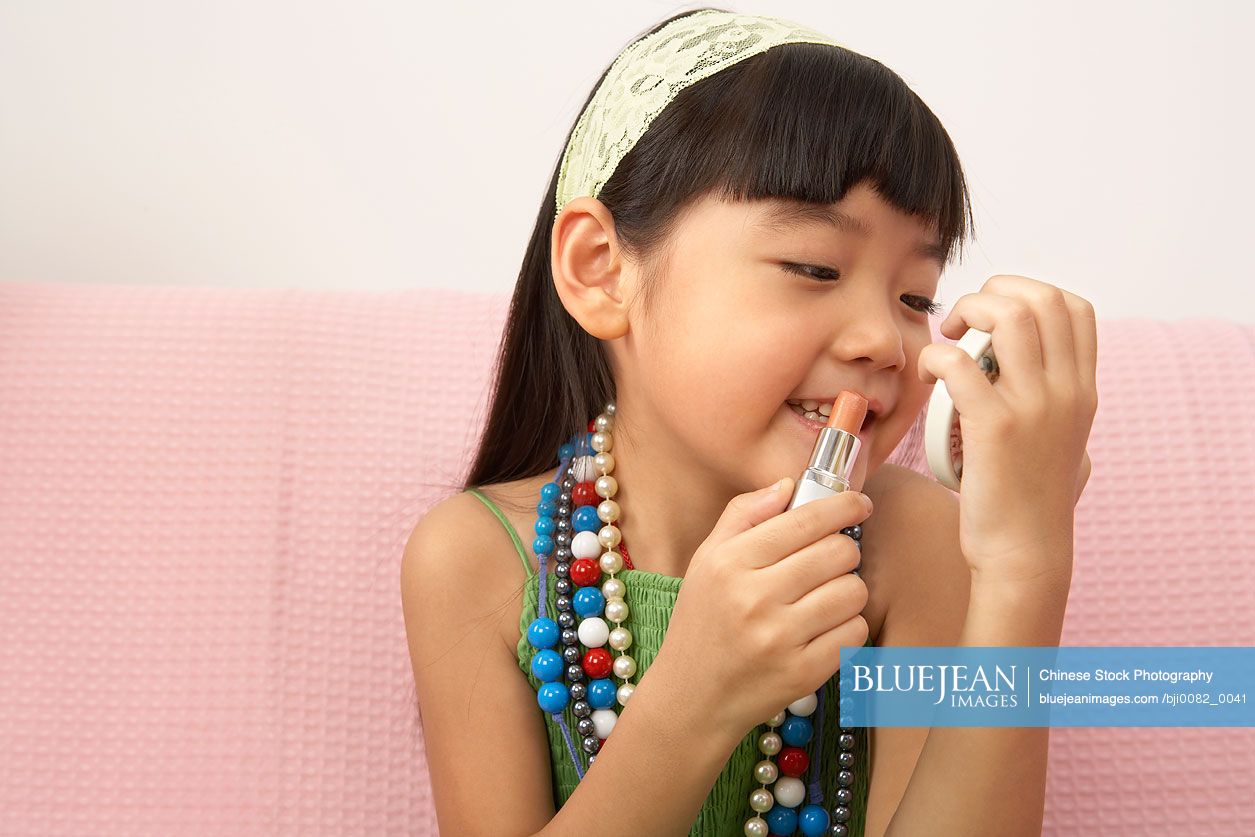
{"points": [[818, 412]]}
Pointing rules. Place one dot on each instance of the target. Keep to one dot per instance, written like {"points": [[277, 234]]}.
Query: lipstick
{"points": [[838, 445]]}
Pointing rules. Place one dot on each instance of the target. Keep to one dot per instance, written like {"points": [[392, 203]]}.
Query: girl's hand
{"points": [[1024, 436], [766, 603]]}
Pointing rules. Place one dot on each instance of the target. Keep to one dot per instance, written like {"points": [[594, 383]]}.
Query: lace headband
{"points": [[648, 74]]}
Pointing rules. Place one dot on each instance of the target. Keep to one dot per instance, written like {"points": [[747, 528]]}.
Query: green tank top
{"points": [[651, 596]]}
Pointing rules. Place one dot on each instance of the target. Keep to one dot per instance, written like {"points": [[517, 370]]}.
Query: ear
{"points": [[588, 268]]}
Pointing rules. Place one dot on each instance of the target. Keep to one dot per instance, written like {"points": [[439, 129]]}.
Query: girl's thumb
{"points": [[745, 511]]}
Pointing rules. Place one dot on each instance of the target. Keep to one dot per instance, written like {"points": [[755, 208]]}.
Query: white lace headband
{"points": [[648, 74]]}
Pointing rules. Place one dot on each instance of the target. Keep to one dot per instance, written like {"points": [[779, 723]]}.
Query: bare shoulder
{"points": [[911, 539], [456, 591], [488, 562]]}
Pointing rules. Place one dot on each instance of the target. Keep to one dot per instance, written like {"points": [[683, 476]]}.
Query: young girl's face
{"points": [[752, 312]]}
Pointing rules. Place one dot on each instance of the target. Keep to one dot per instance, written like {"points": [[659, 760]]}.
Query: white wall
{"points": [[383, 145]]}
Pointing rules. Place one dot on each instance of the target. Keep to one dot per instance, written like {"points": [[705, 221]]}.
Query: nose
{"points": [[868, 329]]}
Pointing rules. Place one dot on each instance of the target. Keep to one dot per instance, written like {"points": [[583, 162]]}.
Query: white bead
{"points": [[789, 791], [624, 693], [616, 609], [603, 423], [604, 720], [593, 631], [608, 511], [757, 827], [606, 486], [603, 463], [770, 743], [584, 469], [609, 536], [620, 639], [624, 666], [611, 561], [766, 772], [613, 588], [586, 545], [776, 719], [602, 442], [761, 800], [804, 706]]}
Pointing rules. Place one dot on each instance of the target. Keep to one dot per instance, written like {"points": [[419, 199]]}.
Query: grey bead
{"points": [[592, 744], [570, 636], [845, 759], [562, 569], [566, 619], [856, 531], [568, 482], [563, 525], [592, 759], [843, 796], [574, 673], [563, 554], [563, 602], [579, 691], [841, 813], [562, 539], [845, 741], [571, 654], [582, 708], [838, 829], [586, 727], [845, 778], [564, 586]]}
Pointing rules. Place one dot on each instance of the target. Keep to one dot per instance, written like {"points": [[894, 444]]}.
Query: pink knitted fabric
{"points": [[204, 495]]}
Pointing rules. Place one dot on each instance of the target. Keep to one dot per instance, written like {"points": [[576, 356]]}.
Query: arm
{"points": [[484, 730], [1000, 789]]}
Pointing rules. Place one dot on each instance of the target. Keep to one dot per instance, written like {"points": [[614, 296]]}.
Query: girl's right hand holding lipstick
{"points": [[766, 602]]}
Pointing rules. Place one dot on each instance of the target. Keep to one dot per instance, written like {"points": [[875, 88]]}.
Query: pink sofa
{"points": [[204, 494]]}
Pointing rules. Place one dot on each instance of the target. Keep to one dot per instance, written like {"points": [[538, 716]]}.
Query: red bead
{"points": [[585, 572], [592, 425], [584, 494], [597, 663], [793, 761]]}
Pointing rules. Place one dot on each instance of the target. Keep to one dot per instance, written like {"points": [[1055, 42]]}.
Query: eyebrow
{"points": [[782, 217]]}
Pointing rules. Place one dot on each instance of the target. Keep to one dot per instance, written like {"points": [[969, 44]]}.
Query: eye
{"points": [[919, 303]]}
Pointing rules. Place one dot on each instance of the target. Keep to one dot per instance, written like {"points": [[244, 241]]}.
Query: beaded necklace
{"points": [[578, 530]]}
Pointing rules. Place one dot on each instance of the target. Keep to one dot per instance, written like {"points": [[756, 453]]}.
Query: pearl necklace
{"points": [[581, 534]]}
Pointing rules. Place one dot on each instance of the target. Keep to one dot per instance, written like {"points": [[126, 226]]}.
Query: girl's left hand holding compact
{"points": [[1024, 435]]}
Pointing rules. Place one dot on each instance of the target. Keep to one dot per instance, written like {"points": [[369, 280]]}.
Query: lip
{"points": [[813, 427]]}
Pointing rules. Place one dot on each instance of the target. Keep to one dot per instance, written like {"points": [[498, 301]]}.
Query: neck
{"points": [[669, 503]]}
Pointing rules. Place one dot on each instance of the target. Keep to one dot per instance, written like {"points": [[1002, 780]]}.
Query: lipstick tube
{"points": [[838, 445]]}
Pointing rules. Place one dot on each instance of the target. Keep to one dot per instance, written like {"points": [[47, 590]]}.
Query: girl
{"points": [[748, 219]]}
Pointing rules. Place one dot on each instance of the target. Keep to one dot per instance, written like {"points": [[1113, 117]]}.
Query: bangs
{"points": [[806, 122]]}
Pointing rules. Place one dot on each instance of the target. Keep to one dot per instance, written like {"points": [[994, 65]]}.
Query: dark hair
{"points": [[804, 122]]}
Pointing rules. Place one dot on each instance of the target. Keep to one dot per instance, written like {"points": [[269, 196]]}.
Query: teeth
{"points": [[810, 406], [825, 409]]}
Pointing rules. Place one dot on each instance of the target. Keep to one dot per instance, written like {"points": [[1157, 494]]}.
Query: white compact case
{"points": [[943, 440]]}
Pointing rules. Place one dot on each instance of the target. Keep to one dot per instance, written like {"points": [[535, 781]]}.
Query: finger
{"points": [[832, 603], [826, 648], [745, 511], [1054, 322], [1016, 344], [973, 395], [797, 528], [1084, 340], [795, 575]]}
